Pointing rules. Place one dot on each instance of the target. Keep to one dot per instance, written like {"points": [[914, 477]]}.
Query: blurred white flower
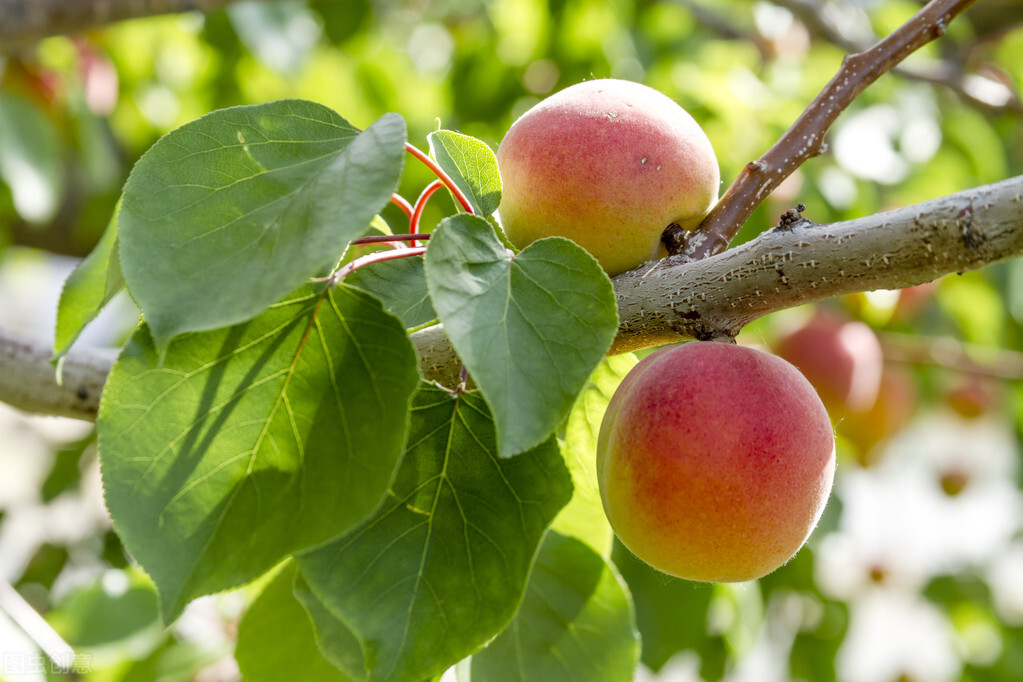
{"points": [[941, 500], [894, 634]]}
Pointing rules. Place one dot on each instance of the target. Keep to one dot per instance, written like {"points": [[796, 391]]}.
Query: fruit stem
{"points": [[439, 172]]}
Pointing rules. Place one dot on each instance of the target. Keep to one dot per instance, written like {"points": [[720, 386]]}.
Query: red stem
{"points": [[371, 258], [439, 172], [402, 203], [417, 212]]}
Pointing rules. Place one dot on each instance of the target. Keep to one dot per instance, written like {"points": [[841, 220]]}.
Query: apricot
{"points": [[608, 164], [841, 358], [896, 403], [714, 461]]}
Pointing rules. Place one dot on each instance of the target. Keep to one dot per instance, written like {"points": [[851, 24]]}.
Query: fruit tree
{"points": [[519, 340]]}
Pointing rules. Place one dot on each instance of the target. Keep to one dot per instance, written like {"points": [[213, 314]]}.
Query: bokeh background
{"points": [[916, 570]]}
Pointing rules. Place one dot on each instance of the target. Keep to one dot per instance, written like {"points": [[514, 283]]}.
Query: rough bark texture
{"points": [[664, 301], [805, 139], [28, 381]]}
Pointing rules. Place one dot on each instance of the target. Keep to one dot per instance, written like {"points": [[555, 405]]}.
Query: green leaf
{"points": [[584, 516], [89, 287], [472, 166], [400, 285], [228, 214], [336, 641], [442, 566], [530, 328], [117, 613], [250, 443], [575, 623], [671, 613], [276, 639], [30, 158]]}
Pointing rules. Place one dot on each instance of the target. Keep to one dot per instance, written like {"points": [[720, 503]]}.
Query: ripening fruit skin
{"points": [[714, 461], [842, 359], [608, 164]]}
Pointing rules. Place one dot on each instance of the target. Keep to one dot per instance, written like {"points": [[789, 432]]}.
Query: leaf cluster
{"points": [[269, 415]]}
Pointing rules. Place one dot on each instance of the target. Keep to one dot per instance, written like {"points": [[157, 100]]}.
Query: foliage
{"points": [[268, 432]]}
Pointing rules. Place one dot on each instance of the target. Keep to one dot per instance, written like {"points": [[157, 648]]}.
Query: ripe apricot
{"points": [[841, 358], [715, 461], [608, 164]]}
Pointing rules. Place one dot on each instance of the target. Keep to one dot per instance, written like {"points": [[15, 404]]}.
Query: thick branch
{"points": [[666, 301], [26, 21], [28, 381], [805, 138]]}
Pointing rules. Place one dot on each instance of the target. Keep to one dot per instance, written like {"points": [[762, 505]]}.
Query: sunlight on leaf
{"points": [[442, 566], [472, 165], [253, 442], [576, 623], [227, 214], [530, 328]]}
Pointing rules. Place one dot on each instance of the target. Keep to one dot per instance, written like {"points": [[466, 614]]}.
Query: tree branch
{"points": [[664, 301], [25, 21], [992, 97], [805, 139], [28, 380]]}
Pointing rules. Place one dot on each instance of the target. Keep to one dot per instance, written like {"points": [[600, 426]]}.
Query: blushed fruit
{"points": [[896, 403], [715, 461], [842, 359], [608, 164]]}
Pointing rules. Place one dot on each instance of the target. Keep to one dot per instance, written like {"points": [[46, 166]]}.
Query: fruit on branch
{"points": [[840, 357], [609, 164], [714, 461], [897, 400]]}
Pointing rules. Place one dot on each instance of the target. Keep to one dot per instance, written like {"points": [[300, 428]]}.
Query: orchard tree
{"points": [[382, 418]]}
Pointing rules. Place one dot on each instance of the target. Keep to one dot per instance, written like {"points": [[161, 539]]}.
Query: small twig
{"points": [[388, 238], [949, 353], [720, 24], [805, 139], [948, 73]]}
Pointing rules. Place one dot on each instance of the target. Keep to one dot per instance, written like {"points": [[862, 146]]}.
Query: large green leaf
{"points": [[400, 285], [584, 516], [472, 165], [227, 214], [530, 328], [336, 641], [671, 614], [442, 566], [250, 443], [276, 639], [89, 287], [576, 623]]}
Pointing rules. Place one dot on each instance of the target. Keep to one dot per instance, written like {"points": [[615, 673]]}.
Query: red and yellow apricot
{"points": [[608, 164], [715, 461]]}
